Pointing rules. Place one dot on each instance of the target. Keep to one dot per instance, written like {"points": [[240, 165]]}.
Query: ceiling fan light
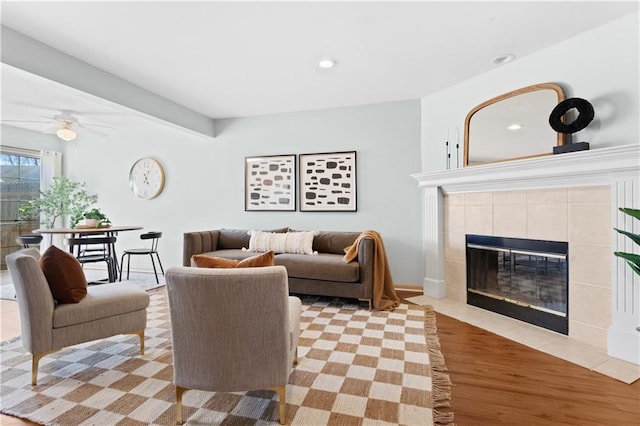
{"points": [[66, 134]]}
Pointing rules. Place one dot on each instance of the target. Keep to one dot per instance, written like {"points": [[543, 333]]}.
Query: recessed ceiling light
{"points": [[503, 59], [327, 63]]}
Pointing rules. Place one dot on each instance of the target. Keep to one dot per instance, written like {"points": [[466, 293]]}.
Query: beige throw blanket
{"points": [[384, 293]]}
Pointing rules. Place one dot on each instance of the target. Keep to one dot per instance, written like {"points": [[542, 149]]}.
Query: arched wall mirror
{"points": [[512, 126]]}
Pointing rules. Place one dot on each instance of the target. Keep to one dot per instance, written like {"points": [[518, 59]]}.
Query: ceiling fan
{"points": [[66, 125]]}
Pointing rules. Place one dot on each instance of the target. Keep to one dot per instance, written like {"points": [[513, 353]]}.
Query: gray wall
{"points": [[205, 178]]}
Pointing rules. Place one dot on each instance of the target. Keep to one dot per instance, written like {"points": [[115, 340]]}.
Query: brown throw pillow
{"points": [[264, 259], [203, 261], [64, 274]]}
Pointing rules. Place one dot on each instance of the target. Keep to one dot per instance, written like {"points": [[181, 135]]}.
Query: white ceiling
{"points": [[234, 59]]}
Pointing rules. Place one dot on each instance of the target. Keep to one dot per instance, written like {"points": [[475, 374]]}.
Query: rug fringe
{"points": [[441, 382]]}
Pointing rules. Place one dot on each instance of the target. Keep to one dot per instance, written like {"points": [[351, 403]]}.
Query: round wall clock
{"points": [[146, 178]]}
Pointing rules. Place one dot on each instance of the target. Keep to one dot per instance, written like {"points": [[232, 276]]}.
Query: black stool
{"points": [[29, 240], [153, 236]]}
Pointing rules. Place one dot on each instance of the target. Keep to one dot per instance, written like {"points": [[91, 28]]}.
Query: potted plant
{"points": [[94, 218], [633, 260], [63, 198]]}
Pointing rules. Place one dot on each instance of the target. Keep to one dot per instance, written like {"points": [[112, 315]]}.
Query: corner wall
{"points": [[600, 65]]}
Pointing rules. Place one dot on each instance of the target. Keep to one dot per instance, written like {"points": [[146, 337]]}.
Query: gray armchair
{"points": [[106, 310], [232, 330]]}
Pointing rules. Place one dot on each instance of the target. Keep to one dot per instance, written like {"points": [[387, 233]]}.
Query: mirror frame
{"points": [[542, 86]]}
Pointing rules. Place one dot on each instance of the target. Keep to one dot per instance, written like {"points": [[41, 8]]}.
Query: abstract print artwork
{"points": [[328, 182], [270, 183]]}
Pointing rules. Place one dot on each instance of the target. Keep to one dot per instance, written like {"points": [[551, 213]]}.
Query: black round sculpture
{"points": [[585, 116]]}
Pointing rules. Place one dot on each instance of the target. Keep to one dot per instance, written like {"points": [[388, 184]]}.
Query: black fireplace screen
{"points": [[524, 279]]}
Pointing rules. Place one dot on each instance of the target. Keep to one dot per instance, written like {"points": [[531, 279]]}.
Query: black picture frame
{"points": [[270, 183], [328, 182]]}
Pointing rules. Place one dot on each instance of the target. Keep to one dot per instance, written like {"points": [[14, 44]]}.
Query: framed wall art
{"points": [[328, 182], [270, 183]]}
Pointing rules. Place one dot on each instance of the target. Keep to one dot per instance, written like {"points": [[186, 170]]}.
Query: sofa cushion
{"points": [[102, 301], [238, 238], [64, 274], [233, 238], [203, 261], [334, 242], [324, 266], [289, 242]]}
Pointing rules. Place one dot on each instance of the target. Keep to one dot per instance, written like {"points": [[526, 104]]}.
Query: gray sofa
{"points": [[324, 274]]}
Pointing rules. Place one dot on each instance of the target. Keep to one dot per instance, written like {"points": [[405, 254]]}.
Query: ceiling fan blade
{"points": [[88, 125], [94, 132], [26, 121]]}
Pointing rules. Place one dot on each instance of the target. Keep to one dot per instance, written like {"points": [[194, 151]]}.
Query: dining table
{"points": [[79, 232]]}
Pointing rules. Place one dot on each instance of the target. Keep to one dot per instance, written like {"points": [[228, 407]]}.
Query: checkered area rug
{"points": [[357, 367]]}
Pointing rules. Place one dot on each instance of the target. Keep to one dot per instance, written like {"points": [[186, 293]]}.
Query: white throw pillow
{"points": [[281, 242]]}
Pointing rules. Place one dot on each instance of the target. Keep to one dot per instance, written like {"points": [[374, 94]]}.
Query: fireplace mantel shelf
{"points": [[584, 168]]}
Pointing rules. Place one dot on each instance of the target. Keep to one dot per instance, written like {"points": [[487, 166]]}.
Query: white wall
{"points": [[600, 65], [205, 178]]}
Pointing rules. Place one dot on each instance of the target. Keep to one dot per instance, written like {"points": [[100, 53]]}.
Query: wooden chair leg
{"points": [[179, 392], [281, 391], [35, 360], [140, 334]]}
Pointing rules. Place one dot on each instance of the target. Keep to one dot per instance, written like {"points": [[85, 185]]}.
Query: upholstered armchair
{"points": [[232, 330], [106, 310]]}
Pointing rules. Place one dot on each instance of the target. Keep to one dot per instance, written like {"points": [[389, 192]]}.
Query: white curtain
{"points": [[50, 166]]}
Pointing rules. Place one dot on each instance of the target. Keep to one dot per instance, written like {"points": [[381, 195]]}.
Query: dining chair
{"points": [[146, 251], [27, 241], [96, 249]]}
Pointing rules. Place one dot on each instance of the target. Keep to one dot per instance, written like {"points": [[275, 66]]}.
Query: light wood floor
{"points": [[501, 382], [497, 381]]}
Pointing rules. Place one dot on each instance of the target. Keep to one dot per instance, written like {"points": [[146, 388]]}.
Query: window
{"points": [[19, 183]]}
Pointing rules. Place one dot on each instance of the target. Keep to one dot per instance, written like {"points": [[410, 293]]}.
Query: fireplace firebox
{"points": [[520, 278]]}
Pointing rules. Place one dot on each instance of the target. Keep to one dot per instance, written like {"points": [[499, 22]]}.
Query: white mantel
{"points": [[583, 168], [617, 166]]}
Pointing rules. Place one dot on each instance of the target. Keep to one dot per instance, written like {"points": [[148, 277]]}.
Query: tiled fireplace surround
{"points": [[570, 197]]}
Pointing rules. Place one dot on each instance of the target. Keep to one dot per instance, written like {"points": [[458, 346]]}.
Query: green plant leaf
{"points": [[63, 198], [633, 260], [631, 212], [634, 237]]}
